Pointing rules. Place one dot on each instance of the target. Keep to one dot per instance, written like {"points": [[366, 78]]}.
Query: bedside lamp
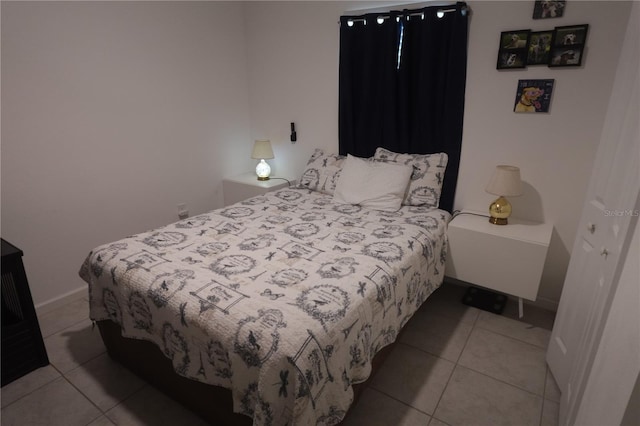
{"points": [[505, 182], [261, 151]]}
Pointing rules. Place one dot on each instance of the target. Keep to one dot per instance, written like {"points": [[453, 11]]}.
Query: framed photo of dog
{"points": [[533, 95], [539, 47], [567, 46], [513, 50], [544, 9]]}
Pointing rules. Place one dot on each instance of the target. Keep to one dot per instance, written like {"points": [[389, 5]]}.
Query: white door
{"points": [[602, 235]]}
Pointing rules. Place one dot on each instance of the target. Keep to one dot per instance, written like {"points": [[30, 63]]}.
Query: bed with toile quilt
{"points": [[284, 299]]}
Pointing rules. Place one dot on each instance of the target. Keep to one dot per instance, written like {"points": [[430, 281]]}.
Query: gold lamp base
{"points": [[263, 178], [500, 210]]}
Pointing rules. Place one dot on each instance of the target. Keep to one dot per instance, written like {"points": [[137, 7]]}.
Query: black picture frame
{"points": [[540, 47], [567, 46], [533, 96], [544, 9], [513, 49]]}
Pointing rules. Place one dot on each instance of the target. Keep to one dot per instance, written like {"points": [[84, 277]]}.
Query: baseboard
{"points": [[56, 302], [544, 303]]}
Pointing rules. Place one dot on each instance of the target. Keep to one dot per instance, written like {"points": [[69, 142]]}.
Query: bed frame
{"points": [[212, 403]]}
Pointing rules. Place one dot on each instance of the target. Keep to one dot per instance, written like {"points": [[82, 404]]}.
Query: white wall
{"points": [[293, 77], [112, 114], [293, 57]]}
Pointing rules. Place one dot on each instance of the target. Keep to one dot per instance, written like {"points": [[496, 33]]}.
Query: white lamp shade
{"points": [[505, 181], [262, 149]]}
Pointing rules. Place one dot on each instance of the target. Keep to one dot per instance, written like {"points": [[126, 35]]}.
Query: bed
{"points": [[280, 305]]}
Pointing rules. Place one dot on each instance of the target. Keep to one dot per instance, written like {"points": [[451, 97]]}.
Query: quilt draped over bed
{"points": [[284, 298]]}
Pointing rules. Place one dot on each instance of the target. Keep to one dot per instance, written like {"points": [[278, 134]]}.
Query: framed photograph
{"points": [[533, 95], [513, 49], [540, 48], [567, 46], [571, 35], [543, 9]]}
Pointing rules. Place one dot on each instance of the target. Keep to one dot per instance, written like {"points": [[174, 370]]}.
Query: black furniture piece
{"points": [[22, 346]]}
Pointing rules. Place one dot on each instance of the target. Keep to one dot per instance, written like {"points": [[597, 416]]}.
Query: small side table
{"points": [[247, 185], [506, 258], [22, 346]]}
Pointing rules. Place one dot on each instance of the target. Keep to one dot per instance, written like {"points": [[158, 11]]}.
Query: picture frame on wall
{"points": [[540, 47], [533, 95], [513, 49], [544, 9], [567, 46]]}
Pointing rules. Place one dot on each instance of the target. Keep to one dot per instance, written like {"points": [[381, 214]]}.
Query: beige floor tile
{"points": [[446, 301], [63, 317], [473, 399], [55, 404], [377, 409], [27, 384], [104, 381], [441, 336], [510, 360], [550, 413], [102, 421], [151, 407], [436, 422], [516, 329], [74, 346], [413, 377]]}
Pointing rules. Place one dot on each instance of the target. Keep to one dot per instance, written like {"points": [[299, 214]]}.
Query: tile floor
{"points": [[454, 365]]}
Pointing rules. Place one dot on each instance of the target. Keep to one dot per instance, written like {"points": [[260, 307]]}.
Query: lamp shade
{"points": [[262, 149], [505, 181]]}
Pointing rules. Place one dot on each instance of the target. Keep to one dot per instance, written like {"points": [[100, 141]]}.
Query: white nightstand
{"points": [[506, 258], [247, 185]]}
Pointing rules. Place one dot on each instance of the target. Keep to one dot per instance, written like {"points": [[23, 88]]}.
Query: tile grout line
{"points": [[495, 378], [401, 402], [455, 365]]}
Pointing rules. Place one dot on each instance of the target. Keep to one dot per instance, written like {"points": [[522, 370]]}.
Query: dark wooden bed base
{"points": [[214, 404]]}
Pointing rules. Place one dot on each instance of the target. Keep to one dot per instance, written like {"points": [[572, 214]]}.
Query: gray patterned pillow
{"points": [[322, 172], [425, 185]]}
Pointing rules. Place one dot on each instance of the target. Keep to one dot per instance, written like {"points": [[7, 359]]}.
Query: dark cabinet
{"points": [[22, 346]]}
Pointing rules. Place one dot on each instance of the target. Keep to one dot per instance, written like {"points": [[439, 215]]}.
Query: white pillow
{"points": [[428, 174], [372, 184]]}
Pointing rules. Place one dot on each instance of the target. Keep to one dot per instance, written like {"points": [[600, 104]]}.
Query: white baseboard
{"points": [[544, 303], [56, 302]]}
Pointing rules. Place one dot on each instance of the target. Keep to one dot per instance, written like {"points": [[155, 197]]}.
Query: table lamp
{"points": [[261, 151], [505, 182]]}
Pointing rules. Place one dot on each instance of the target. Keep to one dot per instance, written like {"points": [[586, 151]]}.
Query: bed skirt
{"points": [[212, 403]]}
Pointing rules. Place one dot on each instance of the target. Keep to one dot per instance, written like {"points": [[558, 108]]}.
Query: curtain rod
{"points": [[463, 10]]}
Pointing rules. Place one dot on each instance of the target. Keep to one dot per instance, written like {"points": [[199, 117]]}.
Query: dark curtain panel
{"points": [[368, 92], [402, 85]]}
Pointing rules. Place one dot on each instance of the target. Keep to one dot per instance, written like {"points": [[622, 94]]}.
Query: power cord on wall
{"points": [[460, 212], [288, 181]]}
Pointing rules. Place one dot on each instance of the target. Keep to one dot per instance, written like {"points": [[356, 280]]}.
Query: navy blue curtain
{"points": [[402, 82]]}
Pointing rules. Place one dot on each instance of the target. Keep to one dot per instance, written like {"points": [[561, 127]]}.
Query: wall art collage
{"points": [[562, 46]]}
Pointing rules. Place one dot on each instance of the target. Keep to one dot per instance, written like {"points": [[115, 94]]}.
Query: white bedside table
{"points": [[506, 258], [247, 185]]}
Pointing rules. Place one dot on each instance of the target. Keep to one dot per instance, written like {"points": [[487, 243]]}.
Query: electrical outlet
{"points": [[183, 213]]}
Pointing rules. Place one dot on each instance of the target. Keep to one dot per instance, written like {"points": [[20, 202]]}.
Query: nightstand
{"points": [[247, 185], [505, 258]]}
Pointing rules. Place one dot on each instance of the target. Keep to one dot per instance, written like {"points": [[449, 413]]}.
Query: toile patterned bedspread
{"points": [[284, 298]]}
